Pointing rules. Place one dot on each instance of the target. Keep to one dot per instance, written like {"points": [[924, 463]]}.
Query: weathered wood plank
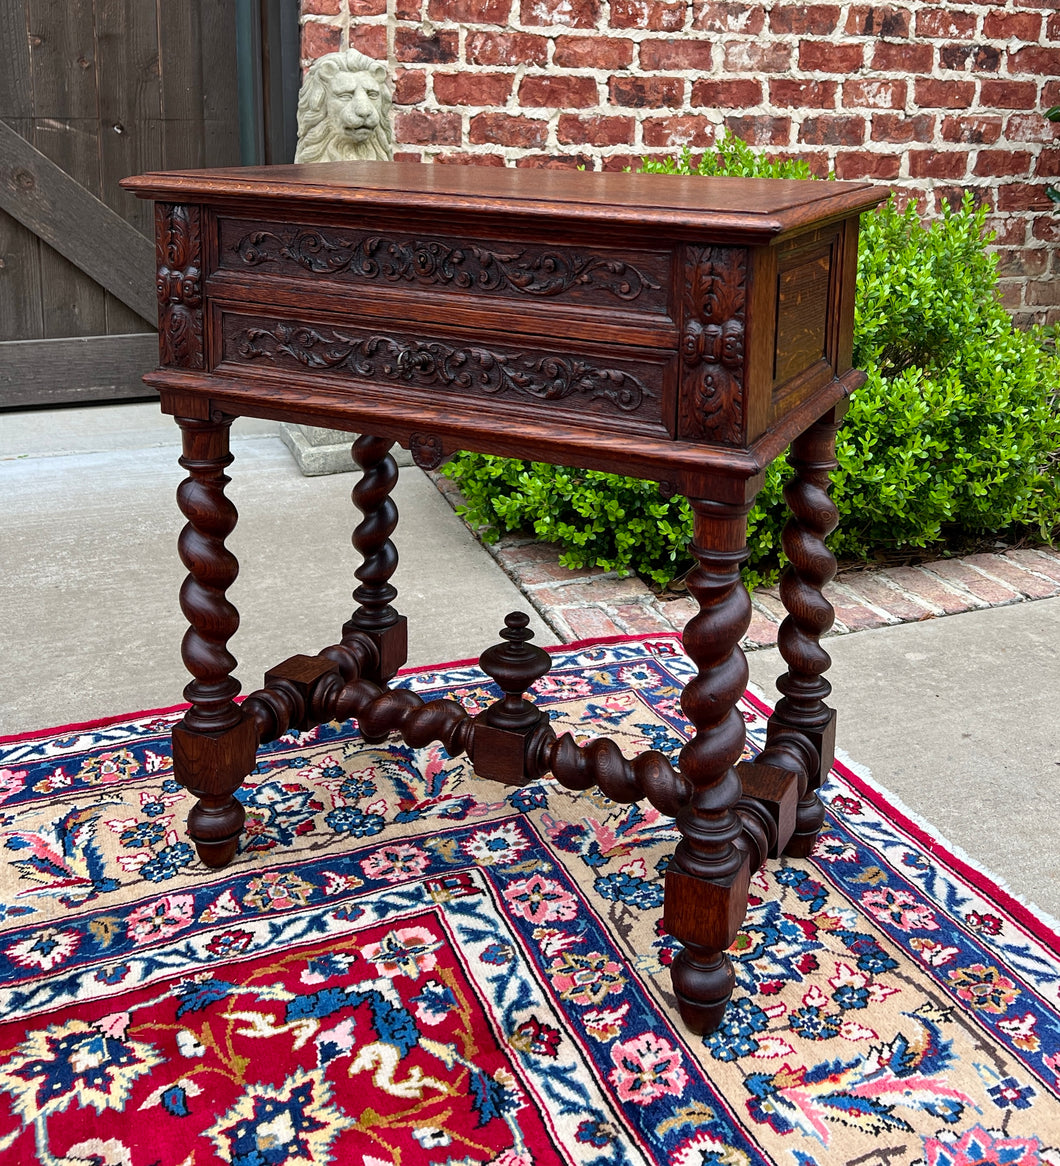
{"points": [[58, 372], [16, 96], [59, 210], [220, 84], [180, 35]]}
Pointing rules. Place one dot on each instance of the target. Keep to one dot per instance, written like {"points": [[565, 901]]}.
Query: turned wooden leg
{"points": [[213, 745], [802, 712], [707, 879], [374, 616]]}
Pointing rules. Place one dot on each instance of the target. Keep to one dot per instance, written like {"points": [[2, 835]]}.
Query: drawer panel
{"points": [[591, 277], [623, 389]]}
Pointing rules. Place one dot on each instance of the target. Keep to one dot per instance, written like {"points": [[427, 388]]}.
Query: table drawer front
{"points": [[591, 277], [618, 390]]}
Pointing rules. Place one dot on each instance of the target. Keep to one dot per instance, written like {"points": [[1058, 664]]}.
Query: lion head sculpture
{"points": [[344, 110]]}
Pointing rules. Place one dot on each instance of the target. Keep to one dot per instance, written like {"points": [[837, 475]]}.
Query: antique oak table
{"points": [[684, 330]]}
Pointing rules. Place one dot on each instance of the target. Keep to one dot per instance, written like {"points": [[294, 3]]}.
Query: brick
{"points": [[646, 92], [973, 129], [1050, 95], [1035, 59], [318, 39], [620, 162], [589, 623], [1047, 228], [1031, 127], [1008, 230], [803, 94], [994, 163], [1052, 28], [951, 197], [1022, 196], [826, 57], [592, 52], [761, 129], [964, 58], [757, 57], [370, 39], [460, 158], [418, 128], [1043, 294], [930, 591], [825, 130], [1011, 293], [1024, 26], [762, 631], [1043, 562], [594, 131], [678, 611], [1021, 261], [739, 94], [651, 15], [875, 94], [362, 8], [596, 589], [537, 562], [1048, 164], [933, 94], [870, 588], [709, 16], [560, 13], [679, 130], [815, 19], [1008, 94], [889, 57], [954, 571], [412, 47], [674, 53], [558, 92], [470, 11], [851, 613], [322, 7], [863, 20], [945, 23], [640, 618], [506, 48], [938, 163], [410, 87], [504, 129], [882, 167], [1016, 576], [555, 162], [472, 88], [409, 156]]}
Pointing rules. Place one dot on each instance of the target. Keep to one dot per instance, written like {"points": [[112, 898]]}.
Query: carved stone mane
{"points": [[344, 110]]}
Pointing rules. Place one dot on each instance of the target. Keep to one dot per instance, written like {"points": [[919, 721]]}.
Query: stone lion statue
{"points": [[344, 110]]}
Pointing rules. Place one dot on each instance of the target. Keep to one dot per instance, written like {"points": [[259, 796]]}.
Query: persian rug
{"points": [[406, 964]]}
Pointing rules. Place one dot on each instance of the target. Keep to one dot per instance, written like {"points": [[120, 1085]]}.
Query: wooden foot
{"points": [[802, 713], [213, 745], [707, 880]]}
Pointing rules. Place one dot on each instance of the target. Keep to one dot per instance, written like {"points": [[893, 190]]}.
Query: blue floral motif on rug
{"points": [[406, 964]]}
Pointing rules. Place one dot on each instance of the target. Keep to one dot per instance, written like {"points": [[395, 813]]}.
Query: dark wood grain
{"points": [[685, 331], [58, 372]]}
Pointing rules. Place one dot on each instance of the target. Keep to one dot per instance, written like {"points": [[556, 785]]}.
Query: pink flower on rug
{"points": [[979, 1147], [848, 805], [396, 862], [562, 687], [932, 952], [277, 890], [605, 1023], [405, 951], [12, 781], [901, 908], [984, 988], [540, 900], [45, 950], [1021, 1030], [983, 924], [109, 767], [647, 1067], [162, 918], [586, 978]]}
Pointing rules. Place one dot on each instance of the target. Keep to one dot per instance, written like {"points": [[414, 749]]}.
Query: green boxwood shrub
{"points": [[953, 437]]}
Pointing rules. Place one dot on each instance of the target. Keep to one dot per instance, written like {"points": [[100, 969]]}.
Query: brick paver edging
{"points": [[591, 602]]}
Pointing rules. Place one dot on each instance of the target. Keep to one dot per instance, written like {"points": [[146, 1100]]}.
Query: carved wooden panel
{"points": [[712, 345], [519, 270], [616, 389], [803, 285], [178, 247]]}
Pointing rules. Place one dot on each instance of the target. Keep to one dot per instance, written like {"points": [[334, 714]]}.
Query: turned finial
{"points": [[514, 665]]}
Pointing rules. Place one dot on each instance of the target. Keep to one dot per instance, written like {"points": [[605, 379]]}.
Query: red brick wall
{"points": [[929, 96]]}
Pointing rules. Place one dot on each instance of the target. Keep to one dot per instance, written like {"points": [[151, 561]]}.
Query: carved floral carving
{"points": [[178, 249], [434, 364], [427, 450], [431, 261], [713, 343]]}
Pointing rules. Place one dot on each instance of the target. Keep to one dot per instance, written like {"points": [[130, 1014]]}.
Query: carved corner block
{"points": [[821, 737], [299, 677], [392, 644], [212, 765], [777, 791], [705, 914], [501, 754]]}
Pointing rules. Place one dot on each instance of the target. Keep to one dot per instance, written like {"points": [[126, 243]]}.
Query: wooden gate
{"points": [[91, 91]]}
